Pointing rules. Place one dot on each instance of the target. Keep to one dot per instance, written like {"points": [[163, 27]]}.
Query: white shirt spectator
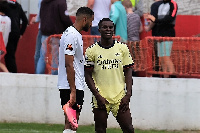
{"points": [[5, 27]]}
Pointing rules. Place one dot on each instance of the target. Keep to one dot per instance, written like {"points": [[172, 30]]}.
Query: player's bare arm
{"points": [[124, 106], [69, 59], [101, 101]]}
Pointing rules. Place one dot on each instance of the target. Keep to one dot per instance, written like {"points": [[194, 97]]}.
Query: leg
{"points": [[167, 60], [156, 59], [65, 96], [37, 48], [67, 124], [100, 118], [11, 50], [125, 121], [41, 65], [162, 54], [170, 65], [55, 42], [3, 67], [164, 66]]}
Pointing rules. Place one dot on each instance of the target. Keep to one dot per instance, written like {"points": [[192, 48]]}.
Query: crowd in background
{"points": [[126, 15]]}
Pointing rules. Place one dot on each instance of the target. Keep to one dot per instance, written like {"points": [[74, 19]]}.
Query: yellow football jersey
{"points": [[108, 66]]}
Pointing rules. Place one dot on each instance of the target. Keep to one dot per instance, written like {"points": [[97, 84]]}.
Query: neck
{"points": [[77, 26], [106, 42], [129, 10], [2, 14]]}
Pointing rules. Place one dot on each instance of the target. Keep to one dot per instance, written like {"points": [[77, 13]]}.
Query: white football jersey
{"points": [[71, 43]]}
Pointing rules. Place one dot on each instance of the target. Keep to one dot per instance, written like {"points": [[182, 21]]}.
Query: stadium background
{"points": [[156, 103], [188, 24]]}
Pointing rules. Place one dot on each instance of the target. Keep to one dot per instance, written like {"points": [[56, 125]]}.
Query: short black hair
{"points": [[104, 19], [84, 11]]}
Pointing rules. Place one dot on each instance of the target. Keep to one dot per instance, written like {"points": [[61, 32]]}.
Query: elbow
{"points": [[69, 66]]}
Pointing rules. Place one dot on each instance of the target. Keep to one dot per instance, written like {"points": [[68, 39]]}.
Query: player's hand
{"points": [[72, 100], [124, 105], [101, 102]]}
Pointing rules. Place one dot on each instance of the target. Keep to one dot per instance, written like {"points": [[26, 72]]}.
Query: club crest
{"points": [[69, 47]]}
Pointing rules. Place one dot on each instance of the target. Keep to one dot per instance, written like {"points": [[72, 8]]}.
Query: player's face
{"points": [[106, 29], [88, 23]]}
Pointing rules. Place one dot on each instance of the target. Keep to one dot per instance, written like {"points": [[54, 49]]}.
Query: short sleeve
{"points": [[89, 58], [127, 59], [70, 44]]}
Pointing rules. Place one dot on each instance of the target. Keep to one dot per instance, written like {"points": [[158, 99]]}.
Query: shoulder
{"points": [[120, 44], [70, 31], [92, 47], [61, 2], [18, 5], [122, 47], [156, 4], [69, 34], [135, 15], [8, 19]]}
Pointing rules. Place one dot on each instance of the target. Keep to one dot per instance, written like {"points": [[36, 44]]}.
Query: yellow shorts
{"points": [[109, 107]]}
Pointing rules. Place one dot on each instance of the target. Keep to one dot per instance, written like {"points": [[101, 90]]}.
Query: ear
{"points": [[99, 30], [83, 21]]}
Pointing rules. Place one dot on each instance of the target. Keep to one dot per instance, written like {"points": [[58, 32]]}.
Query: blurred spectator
{"points": [[36, 19], [134, 24], [154, 11], [5, 28], [134, 28], [137, 6], [165, 23], [152, 26], [101, 9], [54, 19], [16, 15], [118, 16]]}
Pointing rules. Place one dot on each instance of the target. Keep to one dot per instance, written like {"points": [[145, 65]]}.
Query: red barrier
{"points": [[185, 55], [53, 42]]}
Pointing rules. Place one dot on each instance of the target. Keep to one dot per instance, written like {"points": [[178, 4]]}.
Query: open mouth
{"points": [[108, 33]]}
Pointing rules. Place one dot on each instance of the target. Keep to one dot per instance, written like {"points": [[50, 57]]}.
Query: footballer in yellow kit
{"points": [[108, 72]]}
